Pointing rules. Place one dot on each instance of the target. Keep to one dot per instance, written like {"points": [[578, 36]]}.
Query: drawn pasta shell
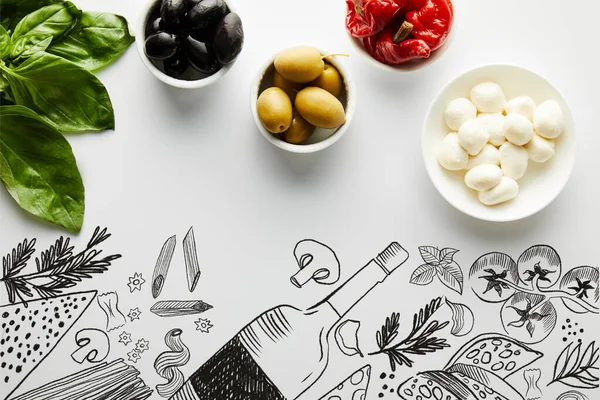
{"points": [[462, 319], [346, 337]]}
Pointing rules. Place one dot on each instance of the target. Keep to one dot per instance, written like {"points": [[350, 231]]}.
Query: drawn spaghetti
{"points": [[167, 363]]}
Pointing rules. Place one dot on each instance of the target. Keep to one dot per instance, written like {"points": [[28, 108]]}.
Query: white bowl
{"points": [[321, 138], [140, 39], [542, 182], [413, 65]]}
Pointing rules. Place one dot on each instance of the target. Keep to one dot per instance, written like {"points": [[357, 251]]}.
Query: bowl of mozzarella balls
{"points": [[499, 143]]}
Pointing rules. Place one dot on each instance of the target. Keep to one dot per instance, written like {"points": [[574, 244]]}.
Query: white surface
{"points": [[179, 158], [540, 184]]}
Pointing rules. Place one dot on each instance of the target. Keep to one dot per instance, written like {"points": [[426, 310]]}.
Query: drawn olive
{"points": [[229, 38], [176, 65], [161, 45], [173, 12], [206, 14], [201, 56]]}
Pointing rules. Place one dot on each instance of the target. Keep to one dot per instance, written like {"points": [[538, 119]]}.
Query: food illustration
{"points": [[197, 37], [494, 139], [168, 362], [30, 331], [303, 92], [352, 388], [395, 32], [477, 371]]}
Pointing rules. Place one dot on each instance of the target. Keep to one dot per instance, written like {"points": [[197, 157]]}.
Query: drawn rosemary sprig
{"points": [[420, 340], [57, 267], [576, 369]]}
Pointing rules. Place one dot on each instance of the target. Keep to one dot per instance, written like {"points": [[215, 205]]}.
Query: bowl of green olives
{"points": [[189, 43], [303, 99]]}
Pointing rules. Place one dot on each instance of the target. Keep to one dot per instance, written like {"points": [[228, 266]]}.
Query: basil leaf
{"points": [[12, 11], [96, 40], [35, 31], [38, 168], [62, 93], [4, 42]]}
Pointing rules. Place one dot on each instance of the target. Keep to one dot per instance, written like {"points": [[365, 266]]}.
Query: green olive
{"points": [[274, 110], [330, 80], [320, 108], [300, 64], [299, 131], [290, 88]]}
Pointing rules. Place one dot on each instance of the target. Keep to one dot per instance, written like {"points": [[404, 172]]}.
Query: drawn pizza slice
{"points": [[31, 331], [353, 388]]}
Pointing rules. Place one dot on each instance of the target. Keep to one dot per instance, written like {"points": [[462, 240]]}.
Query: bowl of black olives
{"points": [[189, 43]]}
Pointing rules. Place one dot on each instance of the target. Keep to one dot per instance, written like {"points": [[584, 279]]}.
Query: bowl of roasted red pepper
{"points": [[400, 34]]}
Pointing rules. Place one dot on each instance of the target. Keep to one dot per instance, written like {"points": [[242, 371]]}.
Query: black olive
{"points": [[154, 25], [161, 45], [176, 65], [173, 12], [229, 38], [201, 55], [192, 3], [202, 35], [206, 14]]}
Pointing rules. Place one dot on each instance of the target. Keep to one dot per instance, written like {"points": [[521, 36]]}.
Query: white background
{"points": [[195, 158]]}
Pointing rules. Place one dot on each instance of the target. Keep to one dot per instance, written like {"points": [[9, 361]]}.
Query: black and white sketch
{"points": [[316, 261], [125, 338], [532, 378], [463, 319], [527, 289], [389, 385], [57, 268], [572, 395], [168, 362], [572, 331], [419, 341], [105, 381], [352, 388], [93, 346], [162, 266], [203, 325], [109, 304], [134, 314], [190, 258], [577, 366], [30, 331], [178, 308], [438, 263], [141, 346], [346, 337], [135, 282], [253, 364]]}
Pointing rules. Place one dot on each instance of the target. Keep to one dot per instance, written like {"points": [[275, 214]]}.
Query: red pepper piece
{"points": [[369, 17], [391, 46], [431, 22]]}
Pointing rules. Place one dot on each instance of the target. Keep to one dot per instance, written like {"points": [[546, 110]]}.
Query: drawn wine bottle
{"points": [[282, 353]]}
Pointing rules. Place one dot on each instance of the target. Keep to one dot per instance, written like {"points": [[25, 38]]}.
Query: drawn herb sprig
{"points": [[57, 268], [576, 369], [438, 263], [420, 340]]}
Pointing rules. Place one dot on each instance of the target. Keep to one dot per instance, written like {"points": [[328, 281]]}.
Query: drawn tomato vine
{"points": [[528, 290]]}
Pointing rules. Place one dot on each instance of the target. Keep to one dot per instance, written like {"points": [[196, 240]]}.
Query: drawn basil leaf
{"points": [[64, 94], [96, 40], [38, 168], [430, 255], [4, 42], [37, 29], [423, 275], [451, 276]]}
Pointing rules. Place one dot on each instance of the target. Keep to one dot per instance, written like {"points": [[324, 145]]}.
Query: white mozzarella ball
{"points": [[488, 97], [494, 122], [549, 120], [506, 190], [489, 155], [483, 177], [513, 160], [523, 105], [517, 129], [459, 111], [540, 149], [450, 155], [473, 136]]}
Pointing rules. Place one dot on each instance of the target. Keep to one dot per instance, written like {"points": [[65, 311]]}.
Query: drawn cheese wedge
{"points": [[353, 388], [32, 330]]}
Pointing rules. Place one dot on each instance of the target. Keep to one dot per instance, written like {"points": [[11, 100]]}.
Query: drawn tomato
{"points": [[489, 274], [528, 317], [582, 283], [542, 262]]}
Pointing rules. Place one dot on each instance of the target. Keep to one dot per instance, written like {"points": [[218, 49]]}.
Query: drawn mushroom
{"points": [[93, 344], [316, 261]]}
